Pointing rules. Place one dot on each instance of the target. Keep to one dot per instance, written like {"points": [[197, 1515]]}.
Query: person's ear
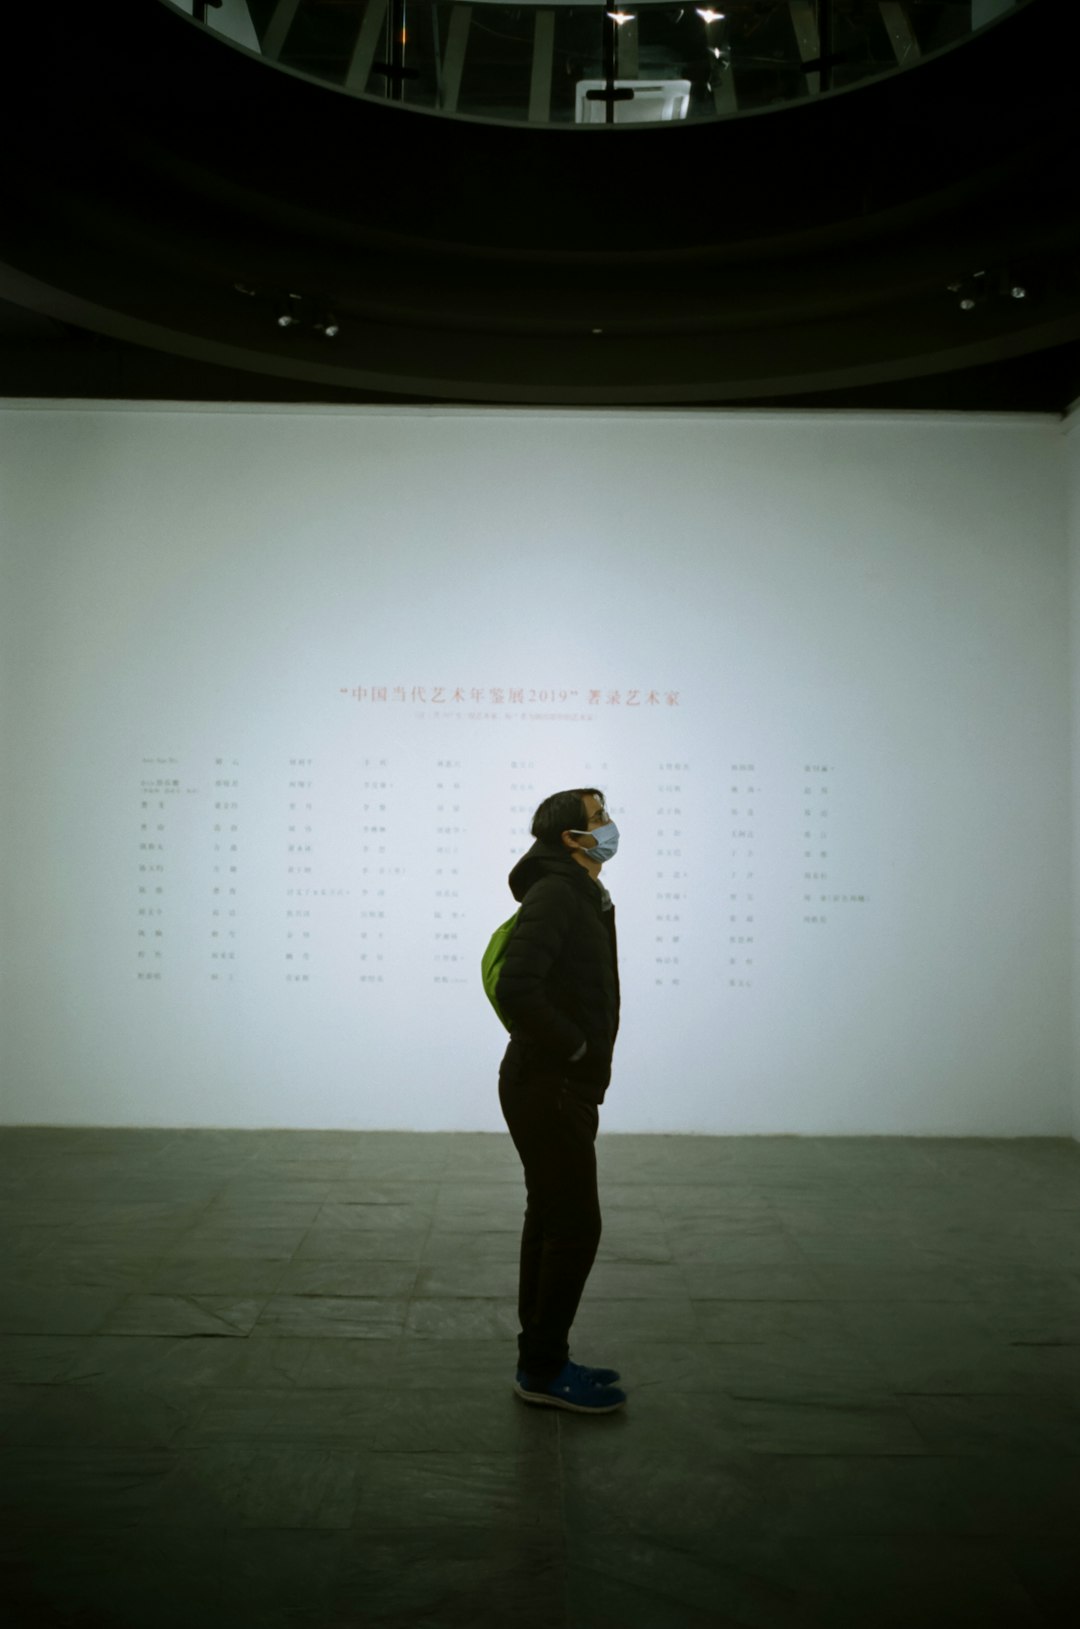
{"points": [[568, 841]]}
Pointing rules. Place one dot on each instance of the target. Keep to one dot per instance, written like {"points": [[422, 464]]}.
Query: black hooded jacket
{"points": [[559, 983]]}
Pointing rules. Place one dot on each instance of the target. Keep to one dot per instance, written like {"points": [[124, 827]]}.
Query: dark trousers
{"points": [[554, 1133]]}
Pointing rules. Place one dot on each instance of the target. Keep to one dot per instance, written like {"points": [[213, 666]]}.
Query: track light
{"points": [[294, 310], [988, 287], [288, 314]]}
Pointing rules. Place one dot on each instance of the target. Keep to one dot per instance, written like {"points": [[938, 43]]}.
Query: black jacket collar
{"points": [[551, 860]]}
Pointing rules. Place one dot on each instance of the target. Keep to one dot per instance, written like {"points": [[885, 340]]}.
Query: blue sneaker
{"points": [[603, 1377], [574, 1387]]}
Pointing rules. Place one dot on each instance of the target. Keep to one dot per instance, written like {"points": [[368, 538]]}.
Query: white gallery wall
{"points": [[283, 687], [1071, 443]]}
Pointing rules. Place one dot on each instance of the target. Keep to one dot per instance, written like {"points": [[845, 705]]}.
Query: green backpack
{"points": [[492, 960]]}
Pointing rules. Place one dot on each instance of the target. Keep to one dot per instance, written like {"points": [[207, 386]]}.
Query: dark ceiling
{"points": [[801, 257]]}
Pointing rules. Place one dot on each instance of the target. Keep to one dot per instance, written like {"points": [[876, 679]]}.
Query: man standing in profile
{"points": [[559, 991]]}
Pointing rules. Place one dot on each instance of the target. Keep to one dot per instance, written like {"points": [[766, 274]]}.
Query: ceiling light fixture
{"points": [[289, 314], [292, 310], [987, 288]]}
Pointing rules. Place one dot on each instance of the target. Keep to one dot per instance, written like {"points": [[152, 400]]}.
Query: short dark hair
{"points": [[563, 811]]}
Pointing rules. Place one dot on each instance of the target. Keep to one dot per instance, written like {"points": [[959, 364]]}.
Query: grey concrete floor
{"points": [[264, 1378]]}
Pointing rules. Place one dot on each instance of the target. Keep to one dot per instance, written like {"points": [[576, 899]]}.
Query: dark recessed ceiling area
{"points": [[167, 194]]}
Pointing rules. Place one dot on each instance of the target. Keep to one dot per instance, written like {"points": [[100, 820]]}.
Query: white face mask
{"points": [[607, 841]]}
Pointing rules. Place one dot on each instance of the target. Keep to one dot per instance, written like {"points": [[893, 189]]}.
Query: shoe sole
{"points": [[548, 1400]]}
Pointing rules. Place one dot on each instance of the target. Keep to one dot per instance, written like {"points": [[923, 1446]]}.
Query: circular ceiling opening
{"points": [[563, 63]]}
